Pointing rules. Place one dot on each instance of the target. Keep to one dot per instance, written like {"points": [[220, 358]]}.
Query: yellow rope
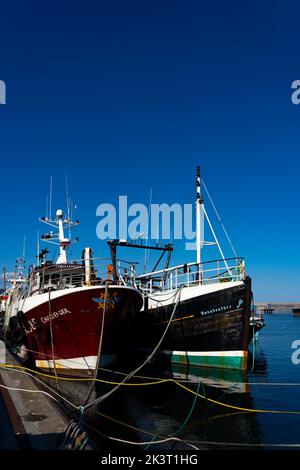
{"points": [[83, 379], [225, 405], [239, 408]]}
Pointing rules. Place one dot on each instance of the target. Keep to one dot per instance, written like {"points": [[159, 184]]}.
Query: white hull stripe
{"points": [[36, 300], [161, 298], [88, 362]]}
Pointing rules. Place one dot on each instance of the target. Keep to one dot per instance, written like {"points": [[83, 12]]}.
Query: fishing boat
{"points": [[68, 316], [199, 311], [296, 311], [257, 322]]}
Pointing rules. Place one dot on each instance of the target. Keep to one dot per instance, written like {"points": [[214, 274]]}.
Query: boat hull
{"points": [[63, 332], [211, 330]]}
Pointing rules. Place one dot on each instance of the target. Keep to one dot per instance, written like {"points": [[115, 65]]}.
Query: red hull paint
{"points": [[76, 320]]}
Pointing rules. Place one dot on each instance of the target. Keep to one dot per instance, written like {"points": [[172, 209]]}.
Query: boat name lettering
{"points": [[68, 265], [54, 315], [32, 324], [215, 310]]}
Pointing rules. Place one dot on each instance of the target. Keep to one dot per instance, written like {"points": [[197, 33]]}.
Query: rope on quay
{"points": [[16, 389], [44, 384]]}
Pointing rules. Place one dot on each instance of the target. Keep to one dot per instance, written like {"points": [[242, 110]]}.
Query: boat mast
{"points": [[199, 216], [63, 242], [59, 238]]}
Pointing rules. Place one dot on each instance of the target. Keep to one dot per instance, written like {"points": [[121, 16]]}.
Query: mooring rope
{"points": [[132, 373], [51, 337], [89, 393]]}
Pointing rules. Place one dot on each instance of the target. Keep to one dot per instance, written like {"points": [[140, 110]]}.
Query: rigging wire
{"points": [[219, 219]]}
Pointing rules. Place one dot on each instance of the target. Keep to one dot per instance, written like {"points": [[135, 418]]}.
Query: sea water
{"points": [[235, 411]]}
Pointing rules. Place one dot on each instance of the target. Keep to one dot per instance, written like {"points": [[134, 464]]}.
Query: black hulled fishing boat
{"points": [[201, 309]]}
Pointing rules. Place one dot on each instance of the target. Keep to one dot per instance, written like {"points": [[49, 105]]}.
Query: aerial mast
{"points": [[59, 238], [199, 216]]}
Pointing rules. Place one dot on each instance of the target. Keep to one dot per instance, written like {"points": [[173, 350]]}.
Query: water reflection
{"points": [[233, 381], [154, 412]]}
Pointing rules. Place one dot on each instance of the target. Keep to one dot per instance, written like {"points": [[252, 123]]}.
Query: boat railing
{"points": [[80, 273], [192, 274]]}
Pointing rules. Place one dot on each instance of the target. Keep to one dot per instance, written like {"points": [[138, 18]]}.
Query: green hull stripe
{"points": [[222, 361]]}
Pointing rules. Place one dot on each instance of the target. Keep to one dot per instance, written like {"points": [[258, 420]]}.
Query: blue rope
{"points": [[190, 412], [181, 427]]}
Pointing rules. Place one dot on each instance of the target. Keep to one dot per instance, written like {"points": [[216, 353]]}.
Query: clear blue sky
{"points": [[131, 95]]}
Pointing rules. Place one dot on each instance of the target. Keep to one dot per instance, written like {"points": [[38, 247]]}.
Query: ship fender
{"points": [[13, 323], [17, 336], [22, 321]]}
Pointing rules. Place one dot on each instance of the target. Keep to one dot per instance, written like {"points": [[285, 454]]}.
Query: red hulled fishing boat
{"points": [[69, 317]]}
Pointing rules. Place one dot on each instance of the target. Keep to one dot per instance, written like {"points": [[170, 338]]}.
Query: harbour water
{"points": [[167, 409], [220, 418]]}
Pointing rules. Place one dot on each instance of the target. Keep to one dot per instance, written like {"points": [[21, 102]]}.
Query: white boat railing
{"points": [[192, 274], [80, 273], [97, 271]]}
